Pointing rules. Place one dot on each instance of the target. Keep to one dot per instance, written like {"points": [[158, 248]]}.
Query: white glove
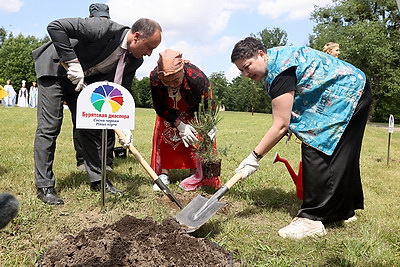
{"points": [[212, 133], [80, 86], [128, 139], [187, 133], [75, 74], [248, 166]]}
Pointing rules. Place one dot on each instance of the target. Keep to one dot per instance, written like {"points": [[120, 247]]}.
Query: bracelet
{"points": [[258, 157]]}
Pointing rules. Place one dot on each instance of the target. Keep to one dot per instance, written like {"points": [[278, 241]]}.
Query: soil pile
{"points": [[135, 242]]}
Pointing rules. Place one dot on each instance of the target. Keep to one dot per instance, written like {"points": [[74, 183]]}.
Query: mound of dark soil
{"points": [[135, 242]]}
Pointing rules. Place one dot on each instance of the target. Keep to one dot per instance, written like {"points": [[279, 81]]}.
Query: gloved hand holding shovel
{"points": [[127, 141], [200, 209], [249, 165]]}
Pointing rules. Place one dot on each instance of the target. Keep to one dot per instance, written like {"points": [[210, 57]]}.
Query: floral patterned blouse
{"points": [[195, 84], [327, 92]]}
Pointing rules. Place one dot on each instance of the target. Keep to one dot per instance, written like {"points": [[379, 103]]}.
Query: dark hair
{"points": [[147, 27], [246, 48], [99, 10]]}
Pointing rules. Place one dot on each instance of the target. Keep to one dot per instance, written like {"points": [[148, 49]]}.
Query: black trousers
{"points": [[79, 149], [332, 184], [53, 91]]}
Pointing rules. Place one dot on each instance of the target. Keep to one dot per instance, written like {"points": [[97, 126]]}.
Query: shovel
{"points": [[200, 209], [149, 170]]}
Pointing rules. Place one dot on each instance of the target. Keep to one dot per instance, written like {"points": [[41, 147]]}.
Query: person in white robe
{"points": [[9, 100], [33, 95], [23, 96]]}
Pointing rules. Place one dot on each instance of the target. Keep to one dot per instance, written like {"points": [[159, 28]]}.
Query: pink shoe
{"points": [[191, 183]]}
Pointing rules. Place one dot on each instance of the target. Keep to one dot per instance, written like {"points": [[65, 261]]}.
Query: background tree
{"points": [[272, 37], [134, 91], [239, 93], [368, 34], [142, 93], [16, 59], [3, 35], [219, 84], [261, 99]]}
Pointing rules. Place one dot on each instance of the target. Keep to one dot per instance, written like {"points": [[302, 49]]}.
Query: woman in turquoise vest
{"points": [[324, 101]]}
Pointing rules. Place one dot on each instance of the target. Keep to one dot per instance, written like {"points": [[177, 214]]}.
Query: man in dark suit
{"points": [[99, 10], [82, 50], [95, 10]]}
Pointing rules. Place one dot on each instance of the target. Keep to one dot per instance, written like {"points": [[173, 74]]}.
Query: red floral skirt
{"points": [[168, 151]]}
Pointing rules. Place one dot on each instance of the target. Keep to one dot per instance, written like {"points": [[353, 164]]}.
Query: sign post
{"points": [[391, 130], [105, 105]]}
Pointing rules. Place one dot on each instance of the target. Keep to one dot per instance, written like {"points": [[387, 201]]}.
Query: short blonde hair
{"points": [[329, 46]]}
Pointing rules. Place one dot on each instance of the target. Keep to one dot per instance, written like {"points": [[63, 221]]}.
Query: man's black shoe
{"points": [[96, 186], [49, 196]]}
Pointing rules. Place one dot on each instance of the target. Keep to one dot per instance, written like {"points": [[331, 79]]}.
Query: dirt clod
{"points": [[135, 242]]}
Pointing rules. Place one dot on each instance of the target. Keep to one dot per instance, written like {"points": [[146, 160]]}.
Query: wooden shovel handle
{"points": [[137, 156], [233, 180]]}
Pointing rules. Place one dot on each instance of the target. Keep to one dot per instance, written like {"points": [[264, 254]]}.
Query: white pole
{"points": [[391, 130]]}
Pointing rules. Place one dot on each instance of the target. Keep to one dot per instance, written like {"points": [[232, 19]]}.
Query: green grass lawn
{"points": [[256, 208]]}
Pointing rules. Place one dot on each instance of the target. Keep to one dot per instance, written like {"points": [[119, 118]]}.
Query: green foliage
{"points": [[272, 37], [3, 35], [142, 93], [242, 94], [16, 59], [134, 92], [219, 83], [261, 100], [245, 95], [368, 32], [205, 119]]}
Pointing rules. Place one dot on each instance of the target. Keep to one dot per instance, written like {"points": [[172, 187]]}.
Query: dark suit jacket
{"points": [[91, 40]]}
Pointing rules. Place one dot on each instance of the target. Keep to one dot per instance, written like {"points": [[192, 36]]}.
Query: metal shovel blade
{"points": [[198, 211]]}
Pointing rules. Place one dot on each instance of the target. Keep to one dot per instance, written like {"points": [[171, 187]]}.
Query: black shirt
{"points": [[283, 83]]}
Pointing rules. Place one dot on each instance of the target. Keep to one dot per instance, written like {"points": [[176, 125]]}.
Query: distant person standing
{"points": [[9, 100], [332, 49], [33, 95], [23, 96]]}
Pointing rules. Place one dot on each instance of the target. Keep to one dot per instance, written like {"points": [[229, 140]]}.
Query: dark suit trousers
{"points": [[79, 150], [53, 91]]}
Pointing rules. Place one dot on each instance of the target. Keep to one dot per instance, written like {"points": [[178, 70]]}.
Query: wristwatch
{"points": [[258, 157]]}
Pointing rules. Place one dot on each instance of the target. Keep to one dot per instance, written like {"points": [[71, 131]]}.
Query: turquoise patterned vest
{"points": [[328, 90]]}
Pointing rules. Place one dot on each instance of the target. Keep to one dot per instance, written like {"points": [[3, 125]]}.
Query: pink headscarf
{"points": [[170, 62]]}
